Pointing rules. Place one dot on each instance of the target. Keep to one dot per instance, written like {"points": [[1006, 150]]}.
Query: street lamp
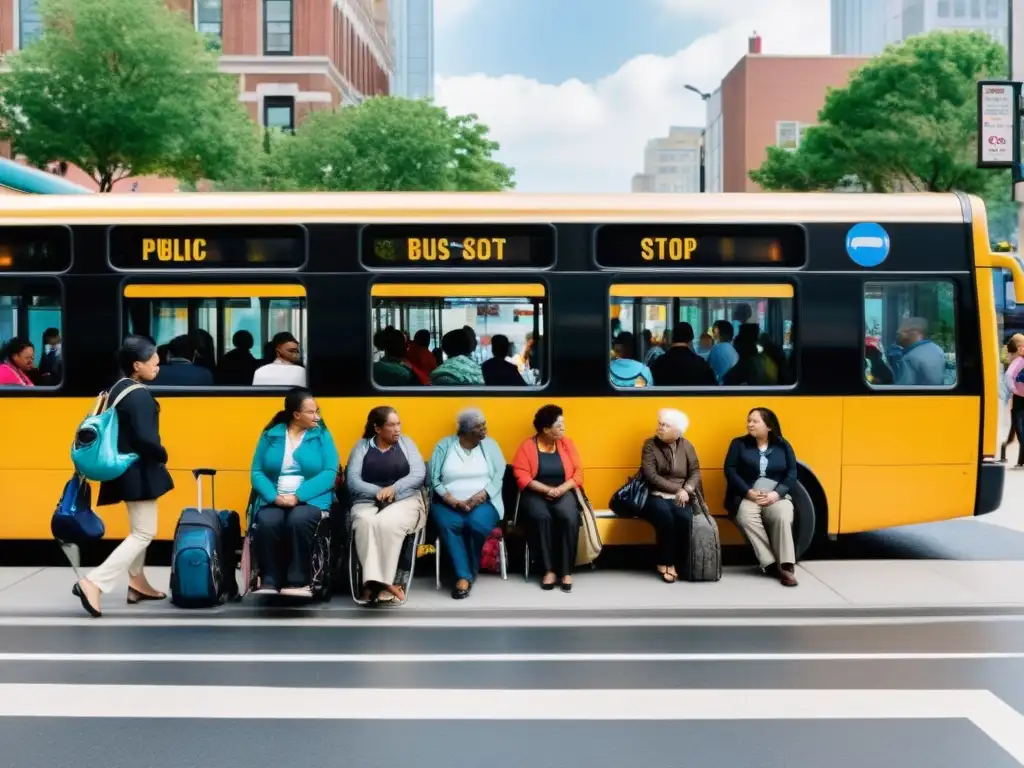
{"points": [[706, 98]]}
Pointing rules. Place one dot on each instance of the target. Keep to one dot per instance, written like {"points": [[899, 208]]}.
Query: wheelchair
{"points": [[321, 565], [405, 571]]}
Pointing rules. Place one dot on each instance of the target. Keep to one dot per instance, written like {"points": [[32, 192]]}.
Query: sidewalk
{"points": [[825, 585]]}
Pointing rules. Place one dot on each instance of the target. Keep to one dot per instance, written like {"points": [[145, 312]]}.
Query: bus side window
{"points": [[910, 334], [32, 313]]}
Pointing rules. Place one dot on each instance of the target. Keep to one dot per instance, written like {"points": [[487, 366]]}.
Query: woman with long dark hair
{"points": [[17, 359], [760, 472], [145, 481], [385, 475], [293, 473]]}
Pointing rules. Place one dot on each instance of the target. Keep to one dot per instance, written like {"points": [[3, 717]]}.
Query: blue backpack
{"points": [[94, 450], [73, 520]]}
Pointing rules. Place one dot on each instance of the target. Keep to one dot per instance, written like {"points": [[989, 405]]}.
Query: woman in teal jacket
{"points": [[293, 474], [466, 473]]}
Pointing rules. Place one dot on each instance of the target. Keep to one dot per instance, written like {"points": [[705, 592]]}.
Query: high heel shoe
{"points": [[134, 596], [78, 592]]}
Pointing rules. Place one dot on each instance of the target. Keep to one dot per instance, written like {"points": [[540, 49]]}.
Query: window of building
{"points": [[30, 22], [222, 335], [277, 27], [210, 17], [279, 112], [787, 134], [31, 310], [959, 8], [975, 9], [734, 336], [942, 11], [910, 334], [668, 169], [992, 8], [495, 335]]}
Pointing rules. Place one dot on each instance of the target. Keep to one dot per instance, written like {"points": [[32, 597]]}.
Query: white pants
{"points": [[769, 530], [130, 555], [379, 535]]}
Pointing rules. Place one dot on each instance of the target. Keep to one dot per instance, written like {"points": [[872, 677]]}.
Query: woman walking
{"points": [[145, 481]]}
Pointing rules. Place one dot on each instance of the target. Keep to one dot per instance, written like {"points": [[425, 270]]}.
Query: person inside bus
{"points": [[777, 355], [51, 367], [548, 470], [180, 370], [760, 472], [286, 369], [704, 345], [498, 371], [293, 472], [419, 355], [465, 480], [753, 367], [878, 372], [671, 470], [625, 370], [922, 362], [206, 350], [385, 478], [680, 366], [237, 366], [473, 341], [723, 354], [18, 358], [458, 369], [140, 486], [393, 370]]}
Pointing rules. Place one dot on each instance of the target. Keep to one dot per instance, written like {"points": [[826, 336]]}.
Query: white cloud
{"points": [[589, 137], [718, 10], [449, 13]]}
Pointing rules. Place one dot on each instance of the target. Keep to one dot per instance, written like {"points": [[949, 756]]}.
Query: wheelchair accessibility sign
{"points": [[867, 244]]}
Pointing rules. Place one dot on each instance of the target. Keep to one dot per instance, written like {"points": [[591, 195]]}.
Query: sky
{"points": [[573, 89]]}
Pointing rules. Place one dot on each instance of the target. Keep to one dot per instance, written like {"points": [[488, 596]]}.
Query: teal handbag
{"points": [[94, 450]]}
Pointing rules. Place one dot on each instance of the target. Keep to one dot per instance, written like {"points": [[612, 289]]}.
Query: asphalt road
{"points": [[799, 694]]}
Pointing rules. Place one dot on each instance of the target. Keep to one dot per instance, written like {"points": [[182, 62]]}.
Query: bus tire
{"points": [[805, 523]]}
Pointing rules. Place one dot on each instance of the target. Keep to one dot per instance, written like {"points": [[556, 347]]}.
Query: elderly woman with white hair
{"points": [[466, 473], [670, 467]]}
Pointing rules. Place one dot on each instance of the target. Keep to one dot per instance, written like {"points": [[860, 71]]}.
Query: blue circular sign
{"points": [[867, 244]]}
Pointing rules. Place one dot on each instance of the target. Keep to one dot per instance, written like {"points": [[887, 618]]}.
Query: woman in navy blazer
{"points": [[760, 472], [293, 474]]}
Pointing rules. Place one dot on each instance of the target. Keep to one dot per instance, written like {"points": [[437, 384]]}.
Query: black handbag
{"points": [[629, 500]]}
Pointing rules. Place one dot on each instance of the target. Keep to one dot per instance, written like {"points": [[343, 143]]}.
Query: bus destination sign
{"points": [[35, 249], [526, 246], [211, 247], [667, 246]]}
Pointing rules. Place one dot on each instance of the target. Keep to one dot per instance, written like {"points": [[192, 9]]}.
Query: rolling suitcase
{"points": [[202, 560], [705, 545]]}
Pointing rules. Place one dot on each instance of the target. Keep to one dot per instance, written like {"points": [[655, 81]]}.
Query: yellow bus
{"points": [[831, 281]]}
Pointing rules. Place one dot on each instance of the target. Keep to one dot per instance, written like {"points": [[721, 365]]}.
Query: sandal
{"points": [[668, 578]]}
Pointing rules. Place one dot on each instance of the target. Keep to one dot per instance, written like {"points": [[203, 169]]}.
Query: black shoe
{"points": [[567, 587], [547, 587], [460, 594], [77, 592]]}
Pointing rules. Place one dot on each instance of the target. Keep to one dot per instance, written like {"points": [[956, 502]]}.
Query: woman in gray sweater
{"points": [[385, 477]]}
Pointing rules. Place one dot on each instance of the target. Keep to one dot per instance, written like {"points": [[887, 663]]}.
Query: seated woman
{"points": [[293, 473], [458, 369], [547, 469], [17, 363], [760, 470], [466, 473], [385, 475], [670, 467]]}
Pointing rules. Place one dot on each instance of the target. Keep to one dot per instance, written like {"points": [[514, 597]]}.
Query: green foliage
{"points": [[385, 144], [906, 121], [123, 88]]}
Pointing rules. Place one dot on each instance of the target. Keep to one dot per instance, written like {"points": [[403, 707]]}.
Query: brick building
{"points": [[766, 101], [291, 56]]}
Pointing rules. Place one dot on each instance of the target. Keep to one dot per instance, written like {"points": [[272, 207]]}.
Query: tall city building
{"points": [[291, 56], [858, 27], [412, 22], [672, 163], [906, 18]]}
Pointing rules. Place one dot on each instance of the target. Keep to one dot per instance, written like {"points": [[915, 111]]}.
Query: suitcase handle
{"points": [[198, 474]]}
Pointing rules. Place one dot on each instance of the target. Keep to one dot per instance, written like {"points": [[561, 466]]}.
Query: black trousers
{"points": [[553, 530], [285, 544], [671, 530]]}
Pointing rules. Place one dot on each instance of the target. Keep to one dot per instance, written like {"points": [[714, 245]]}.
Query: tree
{"points": [[385, 144], [123, 89], [906, 121]]}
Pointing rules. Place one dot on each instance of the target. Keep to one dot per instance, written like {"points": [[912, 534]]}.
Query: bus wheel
{"points": [[804, 520]]}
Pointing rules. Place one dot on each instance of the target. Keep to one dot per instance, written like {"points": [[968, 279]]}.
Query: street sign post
{"points": [[999, 125]]}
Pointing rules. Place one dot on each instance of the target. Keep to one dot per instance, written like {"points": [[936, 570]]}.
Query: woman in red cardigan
{"points": [[547, 470]]}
